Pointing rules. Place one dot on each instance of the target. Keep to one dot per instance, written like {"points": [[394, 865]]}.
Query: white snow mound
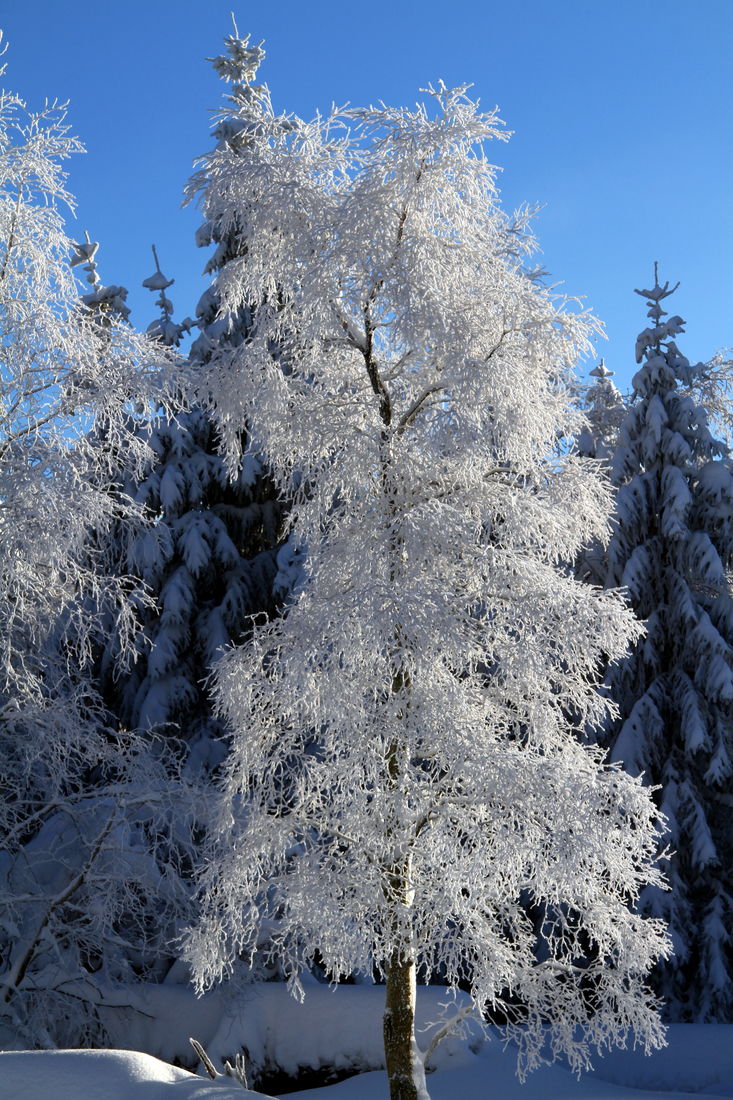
{"points": [[105, 1075]]}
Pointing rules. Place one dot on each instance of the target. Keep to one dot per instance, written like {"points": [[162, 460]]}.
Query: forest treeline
{"points": [[343, 629]]}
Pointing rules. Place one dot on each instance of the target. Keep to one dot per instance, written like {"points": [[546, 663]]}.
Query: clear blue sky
{"points": [[622, 113]]}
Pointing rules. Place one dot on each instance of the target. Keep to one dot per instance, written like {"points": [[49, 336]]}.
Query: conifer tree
{"points": [[604, 409], [210, 562], [671, 548]]}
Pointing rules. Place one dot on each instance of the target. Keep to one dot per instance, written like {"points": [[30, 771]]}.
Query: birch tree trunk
{"points": [[403, 1060], [401, 1056]]}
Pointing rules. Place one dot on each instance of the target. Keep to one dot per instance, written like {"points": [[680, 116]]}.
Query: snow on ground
{"points": [[698, 1060], [105, 1075]]}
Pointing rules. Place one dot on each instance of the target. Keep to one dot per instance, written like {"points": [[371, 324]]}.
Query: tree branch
{"points": [[447, 1029], [17, 972], [417, 405]]}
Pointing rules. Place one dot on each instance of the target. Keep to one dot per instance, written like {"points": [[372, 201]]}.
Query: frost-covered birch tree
{"points": [[404, 773], [672, 548]]}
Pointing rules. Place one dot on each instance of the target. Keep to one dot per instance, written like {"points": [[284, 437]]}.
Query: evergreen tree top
{"points": [[103, 301], [164, 329], [604, 409], [238, 66], [240, 63], [656, 295], [663, 363], [601, 371]]}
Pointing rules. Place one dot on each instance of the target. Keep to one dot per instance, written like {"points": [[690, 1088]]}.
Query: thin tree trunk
{"points": [[402, 1057], [403, 1061]]}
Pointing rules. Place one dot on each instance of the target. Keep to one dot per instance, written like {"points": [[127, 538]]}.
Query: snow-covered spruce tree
{"points": [[604, 411], [210, 562], [402, 776], [75, 795], [671, 547]]}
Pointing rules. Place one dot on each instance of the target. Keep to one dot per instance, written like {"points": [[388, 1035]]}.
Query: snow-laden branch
{"points": [[16, 973]]}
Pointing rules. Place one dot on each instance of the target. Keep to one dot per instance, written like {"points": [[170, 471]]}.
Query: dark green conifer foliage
{"points": [[210, 558], [671, 549]]}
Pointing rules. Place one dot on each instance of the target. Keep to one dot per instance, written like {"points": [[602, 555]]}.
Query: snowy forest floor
{"points": [[698, 1060]]}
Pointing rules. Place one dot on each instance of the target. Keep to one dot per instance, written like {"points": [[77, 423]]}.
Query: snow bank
{"points": [[339, 1028], [105, 1075], [699, 1061]]}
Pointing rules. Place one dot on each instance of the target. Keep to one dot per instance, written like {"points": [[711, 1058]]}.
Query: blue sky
{"points": [[622, 114]]}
